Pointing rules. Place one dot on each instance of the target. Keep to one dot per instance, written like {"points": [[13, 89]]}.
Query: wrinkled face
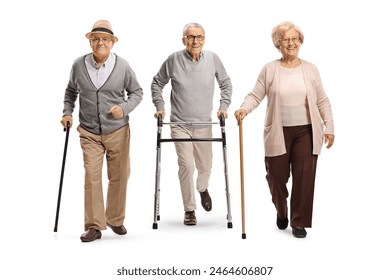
{"points": [[290, 44], [101, 44], [194, 41]]}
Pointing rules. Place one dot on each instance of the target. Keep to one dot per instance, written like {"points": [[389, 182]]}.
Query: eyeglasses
{"points": [[103, 40], [287, 40], [191, 38]]}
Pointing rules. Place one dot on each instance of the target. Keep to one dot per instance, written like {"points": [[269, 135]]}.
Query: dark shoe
{"points": [[189, 218], [299, 232], [206, 200], [121, 230], [281, 223], [91, 235]]}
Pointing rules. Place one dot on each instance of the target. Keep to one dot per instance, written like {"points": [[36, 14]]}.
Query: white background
{"points": [[347, 40]]}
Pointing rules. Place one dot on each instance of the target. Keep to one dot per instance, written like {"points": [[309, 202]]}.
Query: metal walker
{"points": [[160, 140]]}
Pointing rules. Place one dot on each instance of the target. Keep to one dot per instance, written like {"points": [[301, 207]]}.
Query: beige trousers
{"points": [[116, 147], [191, 155]]}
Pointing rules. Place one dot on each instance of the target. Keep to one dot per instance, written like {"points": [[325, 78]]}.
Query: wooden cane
{"points": [[242, 179]]}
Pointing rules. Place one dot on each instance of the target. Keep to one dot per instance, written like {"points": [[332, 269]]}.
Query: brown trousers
{"points": [[300, 161], [116, 147]]}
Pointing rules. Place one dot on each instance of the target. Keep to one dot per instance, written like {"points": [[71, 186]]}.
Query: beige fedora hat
{"points": [[102, 26]]}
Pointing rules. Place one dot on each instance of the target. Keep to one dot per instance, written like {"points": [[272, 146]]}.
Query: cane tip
{"points": [[244, 236]]}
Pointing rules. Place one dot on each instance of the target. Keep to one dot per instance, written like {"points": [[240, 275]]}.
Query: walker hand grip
{"points": [[159, 120], [222, 119]]}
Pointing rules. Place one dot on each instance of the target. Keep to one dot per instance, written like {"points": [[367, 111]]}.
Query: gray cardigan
{"points": [[121, 88]]}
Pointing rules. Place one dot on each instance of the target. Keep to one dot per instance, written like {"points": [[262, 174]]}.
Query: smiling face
{"points": [[193, 45], [290, 44], [101, 45]]}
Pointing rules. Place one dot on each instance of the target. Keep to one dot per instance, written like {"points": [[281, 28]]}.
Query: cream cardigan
{"points": [[268, 84]]}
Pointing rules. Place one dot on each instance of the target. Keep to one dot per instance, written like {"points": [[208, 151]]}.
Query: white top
{"points": [[293, 96]]}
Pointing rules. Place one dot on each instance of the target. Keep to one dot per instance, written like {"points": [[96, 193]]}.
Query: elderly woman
{"points": [[298, 121]]}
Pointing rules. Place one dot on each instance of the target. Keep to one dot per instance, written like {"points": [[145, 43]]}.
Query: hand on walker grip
{"points": [[160, 113]]}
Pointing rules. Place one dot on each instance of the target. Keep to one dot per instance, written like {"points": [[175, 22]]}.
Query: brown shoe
{"points": [[121, 230], [206, 200], [189, 218], [91, 235]]}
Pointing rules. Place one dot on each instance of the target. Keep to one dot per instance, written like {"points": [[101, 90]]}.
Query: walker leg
{"points": [[224, 149], [157, 191], [229, 215], [156, 216]]}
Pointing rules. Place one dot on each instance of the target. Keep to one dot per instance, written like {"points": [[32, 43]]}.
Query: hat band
{"points": [[102, 29]]}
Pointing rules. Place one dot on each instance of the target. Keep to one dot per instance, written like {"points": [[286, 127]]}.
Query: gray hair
{"points": [[194, 25], [279, 30]]}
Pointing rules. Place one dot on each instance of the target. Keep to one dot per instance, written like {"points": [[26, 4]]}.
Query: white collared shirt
{"points": [[99, 75]]}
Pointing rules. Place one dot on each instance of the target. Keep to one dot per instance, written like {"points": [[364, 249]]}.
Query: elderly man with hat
{"points": [[108, 90]]}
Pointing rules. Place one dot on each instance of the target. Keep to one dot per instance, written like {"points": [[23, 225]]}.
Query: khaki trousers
{"points": [[300, 161], [188, 154], [116, 147]]}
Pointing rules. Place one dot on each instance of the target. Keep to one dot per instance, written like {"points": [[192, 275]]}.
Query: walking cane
{"points": [[62, 174], [242, 179]]}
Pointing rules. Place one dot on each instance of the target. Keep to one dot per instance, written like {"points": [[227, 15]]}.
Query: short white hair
{"points": [[279, 30], [194, 25]]}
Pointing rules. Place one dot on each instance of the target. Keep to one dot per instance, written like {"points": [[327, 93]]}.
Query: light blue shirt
{"points": [[99, 75]]}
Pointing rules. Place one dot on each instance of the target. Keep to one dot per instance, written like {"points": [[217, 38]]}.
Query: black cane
{"points": [[62, 174]]}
